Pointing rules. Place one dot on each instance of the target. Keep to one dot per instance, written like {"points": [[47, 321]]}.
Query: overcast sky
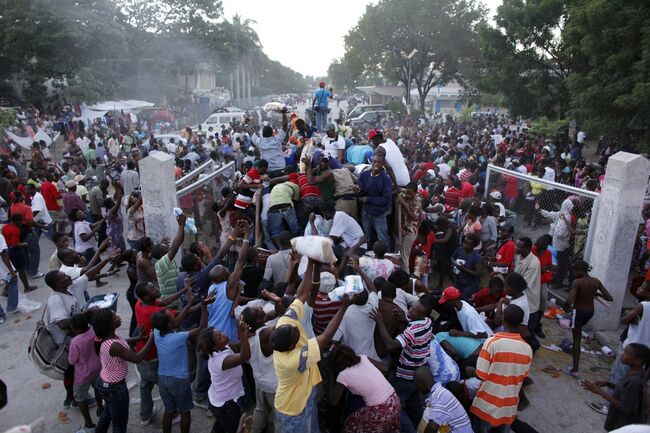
{"points": [[289, 27]]}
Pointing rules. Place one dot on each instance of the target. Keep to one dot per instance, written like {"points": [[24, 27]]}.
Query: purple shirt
{"points": [[71, 200], [84, 358]]}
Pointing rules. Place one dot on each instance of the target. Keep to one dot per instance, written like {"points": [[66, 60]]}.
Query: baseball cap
{"points": [[375, 133], [449, 294], [495, 195], [79, 178], [327, 282], [70, 184]]}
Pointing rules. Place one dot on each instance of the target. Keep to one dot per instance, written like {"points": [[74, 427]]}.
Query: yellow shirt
{"points": [[297, 370], [536, 187]]}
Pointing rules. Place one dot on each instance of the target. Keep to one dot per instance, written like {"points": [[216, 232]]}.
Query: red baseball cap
{"points": [[375, 132], [449, 294]]}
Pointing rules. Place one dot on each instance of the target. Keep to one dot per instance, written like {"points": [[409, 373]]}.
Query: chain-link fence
{"points": [[538, 207], [197, 192]]}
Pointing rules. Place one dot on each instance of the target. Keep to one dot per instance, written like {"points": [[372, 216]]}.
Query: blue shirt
{"points": [[271, 149], [219, 317], [463, 279], [322, 97], [172, 354], [358, 154], [378, 189]]}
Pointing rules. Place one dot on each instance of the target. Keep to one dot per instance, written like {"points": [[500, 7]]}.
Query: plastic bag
{"points": [[273, 106], [190, 225], [317, 248], [26, 305]]}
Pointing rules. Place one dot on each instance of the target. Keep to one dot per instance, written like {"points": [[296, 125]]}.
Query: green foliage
{"points": [[440, 30], [610, 82], [396, 107], [465, 115], [7, 116], [550, 128]]}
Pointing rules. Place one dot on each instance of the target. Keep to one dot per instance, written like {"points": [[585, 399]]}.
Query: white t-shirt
{"points": [[581, 137], [395, 159], [81, 246], [3, 249], [332, 146], [347, 228], [357, 328], [73, 272], [444, 170], [38, 205], [522, 169], [549, 174], [522, 302], [471, 321], [61, 306]]}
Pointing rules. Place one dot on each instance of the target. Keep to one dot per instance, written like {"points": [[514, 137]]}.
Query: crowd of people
{"points": [[442, 336]]}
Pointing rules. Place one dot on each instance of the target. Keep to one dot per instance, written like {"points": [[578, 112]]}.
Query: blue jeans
{"points": [[34, 253], [12, 299], [321, 118], [480, 426], [376, 228], [116, 407], [148, 378], [275, 219], [301, 422]]}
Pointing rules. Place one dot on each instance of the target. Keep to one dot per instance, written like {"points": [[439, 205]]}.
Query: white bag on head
{"points": [[317, 248]]}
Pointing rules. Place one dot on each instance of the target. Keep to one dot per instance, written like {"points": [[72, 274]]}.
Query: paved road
{"points": [[557, 404]]}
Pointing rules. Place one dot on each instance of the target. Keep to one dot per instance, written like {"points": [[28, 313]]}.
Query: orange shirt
{"points": [[503, 365], [24, 210]]}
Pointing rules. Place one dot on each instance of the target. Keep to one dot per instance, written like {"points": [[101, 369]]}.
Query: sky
{"points": [[288, 27]]}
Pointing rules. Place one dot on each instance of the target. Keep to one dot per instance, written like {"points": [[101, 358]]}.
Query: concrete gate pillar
{"points": [[158, 187], [618, 216]]}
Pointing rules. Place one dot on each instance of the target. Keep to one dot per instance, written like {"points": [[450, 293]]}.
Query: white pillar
{"points": [[158, 187], [619, 211]]}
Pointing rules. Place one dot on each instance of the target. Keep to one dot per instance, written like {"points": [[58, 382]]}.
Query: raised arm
{"points": [[391, 344], [232, 287], [244, 354], [178, 239]]}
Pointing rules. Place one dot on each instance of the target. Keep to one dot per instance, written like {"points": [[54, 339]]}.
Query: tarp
{"points": [[129, 104], [27, 142]]}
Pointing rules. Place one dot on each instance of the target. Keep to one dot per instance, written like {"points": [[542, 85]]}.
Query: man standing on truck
{"points": [[319, 103]]}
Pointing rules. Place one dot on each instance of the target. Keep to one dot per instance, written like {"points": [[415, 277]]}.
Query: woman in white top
{"points": [[225, 369]]}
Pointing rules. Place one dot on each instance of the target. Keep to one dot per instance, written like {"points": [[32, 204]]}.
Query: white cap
{"points": [[495, 195]]}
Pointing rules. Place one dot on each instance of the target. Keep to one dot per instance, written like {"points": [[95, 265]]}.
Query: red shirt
{"points": [[24, 210], [452, 197], [545, 260], [306, 188], [143, 313], [12, 234], [51, 195], [483, 297], [512, 187], [467, 190], [324, 310], [506, 254]]}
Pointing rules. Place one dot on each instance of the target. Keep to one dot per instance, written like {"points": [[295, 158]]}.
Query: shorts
{"points": [[80, 390], [580, 318], [176, 394]]}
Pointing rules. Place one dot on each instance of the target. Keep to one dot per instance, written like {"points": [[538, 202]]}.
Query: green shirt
{"points": [[326, 187], [284, 193], [166, 272]]}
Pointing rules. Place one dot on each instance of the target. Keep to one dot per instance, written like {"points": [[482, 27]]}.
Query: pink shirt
{"points": [[114, 369], [366, 380], [225, 385], [82, 355]]}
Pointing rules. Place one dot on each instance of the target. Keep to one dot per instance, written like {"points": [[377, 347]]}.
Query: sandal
{"points": [[552, 370], [599, 407]]}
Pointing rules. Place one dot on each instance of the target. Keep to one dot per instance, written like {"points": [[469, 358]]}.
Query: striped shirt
{"points": [[503, 365], [444, 409], [245, 196], [415, 341], [324, 310], [114, 368]]}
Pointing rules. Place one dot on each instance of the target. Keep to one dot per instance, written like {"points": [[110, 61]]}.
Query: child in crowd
{"points": [[628, 402], [86, 368], [580, 302], [467, 266], [485, 300]]}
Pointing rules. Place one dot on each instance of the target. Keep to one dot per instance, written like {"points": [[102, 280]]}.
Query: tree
{"points": [[39, 42], [609, 82], [441, 32], [524, 57], [339, 75]]}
